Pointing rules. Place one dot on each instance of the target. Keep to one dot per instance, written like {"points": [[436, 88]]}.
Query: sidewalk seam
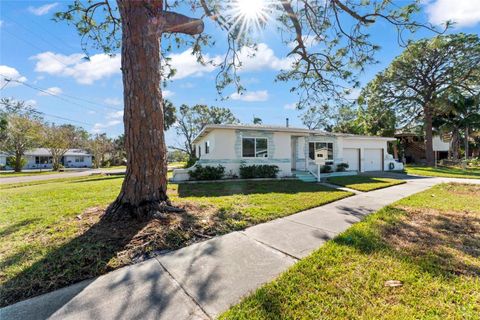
{"points": [[183, 289], [270, 247]]}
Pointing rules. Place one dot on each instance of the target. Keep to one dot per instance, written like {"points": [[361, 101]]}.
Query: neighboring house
{"points": [[3, 159], [291, 149], [40, 158], [413, 146]]}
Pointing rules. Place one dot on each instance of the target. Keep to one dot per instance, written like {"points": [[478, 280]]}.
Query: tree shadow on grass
{"points": [[229, 188], [442, 244]]}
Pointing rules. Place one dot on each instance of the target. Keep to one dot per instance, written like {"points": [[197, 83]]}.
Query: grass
{"points": [[448, 172], [364, 183], [429, 242], [52, 232]]}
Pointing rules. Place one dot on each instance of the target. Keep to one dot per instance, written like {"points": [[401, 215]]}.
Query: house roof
{"points": [[210, 127], [46, 152]]}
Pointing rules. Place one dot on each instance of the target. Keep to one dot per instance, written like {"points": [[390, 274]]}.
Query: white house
{"points": [[41, 158], [3, 159], [291, 149]]}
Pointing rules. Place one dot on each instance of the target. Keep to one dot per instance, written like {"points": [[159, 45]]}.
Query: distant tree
{"points": [[118, 154], [346, 121], [23, 130], [257, 120], [191, 120], [374, 117], [169, 113], [99, 146], [59, 138], [461, 117], [316, 117], [177, 156], [414, 81]]}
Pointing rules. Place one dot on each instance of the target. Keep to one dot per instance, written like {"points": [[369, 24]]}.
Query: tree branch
{"points": [[179, 23]]}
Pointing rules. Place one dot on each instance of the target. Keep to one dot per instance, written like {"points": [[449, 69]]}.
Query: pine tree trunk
{"points": [[144, 189], [428, 136]]}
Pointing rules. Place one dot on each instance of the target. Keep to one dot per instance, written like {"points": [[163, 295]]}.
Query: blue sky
{"points": [[47, 55]]}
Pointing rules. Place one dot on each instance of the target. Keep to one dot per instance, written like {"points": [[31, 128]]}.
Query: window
{"points": [[199, 151], [254, 147], [312, 146], [207, 147], [43, 160], [79, 159]]}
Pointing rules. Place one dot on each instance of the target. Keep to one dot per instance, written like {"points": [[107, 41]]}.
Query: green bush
{"points": [[258, 171], [326, 169], [342, 167], [12, 160], [207, 172], [191, 162]]}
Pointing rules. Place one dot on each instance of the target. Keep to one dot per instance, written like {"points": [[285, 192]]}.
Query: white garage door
{"points": [[351, 156], [373, 159]]}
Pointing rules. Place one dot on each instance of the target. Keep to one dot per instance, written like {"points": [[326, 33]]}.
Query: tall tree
{"points": [[337, 26], [428, 68], [316, 117], [99, 145], [58, 139], [191, 120], [346, 121], [374, 117]]}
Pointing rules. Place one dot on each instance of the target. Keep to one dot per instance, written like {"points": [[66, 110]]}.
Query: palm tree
{"points": [[461, 116]]}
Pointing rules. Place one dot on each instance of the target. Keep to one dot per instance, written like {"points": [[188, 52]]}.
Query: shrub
{"points": [[258, 171], [326, 169], [191, 162], [342, 167], [207, 172], [12, 160]]}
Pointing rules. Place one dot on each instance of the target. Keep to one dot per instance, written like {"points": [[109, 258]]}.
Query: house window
{"points": [[207, 147], [254, 147], [43, 160], [312, 146], [79, 159]]}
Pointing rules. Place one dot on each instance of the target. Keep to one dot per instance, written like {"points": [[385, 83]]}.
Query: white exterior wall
{"points": [[367, 143], [69, 162], [439, 144], [3, 160], [226, 150]]}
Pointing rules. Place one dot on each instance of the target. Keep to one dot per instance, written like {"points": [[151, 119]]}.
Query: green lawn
{"points": [[430, 242], [364, 183], [449, 172], [52, 232]]}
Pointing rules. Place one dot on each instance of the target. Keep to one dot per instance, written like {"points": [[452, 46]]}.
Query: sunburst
{"points": [[246, 16]]}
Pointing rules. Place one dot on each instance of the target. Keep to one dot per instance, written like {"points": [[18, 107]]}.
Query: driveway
{"points": [[60, 175]]}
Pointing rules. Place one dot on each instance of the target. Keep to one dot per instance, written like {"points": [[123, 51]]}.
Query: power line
{"points": [[59, 96], [63, 118]]}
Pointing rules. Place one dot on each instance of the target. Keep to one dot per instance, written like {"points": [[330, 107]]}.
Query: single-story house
{"points": [[413, 146], [41, 158], [3, 159], [293, 150]]}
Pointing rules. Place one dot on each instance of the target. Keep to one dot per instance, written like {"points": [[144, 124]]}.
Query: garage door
{"points": [[352, 157], [373, 159]]}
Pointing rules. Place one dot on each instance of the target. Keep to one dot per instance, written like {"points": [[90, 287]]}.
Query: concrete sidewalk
{"points": [[202, 280]]}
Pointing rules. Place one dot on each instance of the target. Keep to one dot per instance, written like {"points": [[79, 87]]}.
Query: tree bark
{"points": [[428, 135], [18, 162], [144, 189]]}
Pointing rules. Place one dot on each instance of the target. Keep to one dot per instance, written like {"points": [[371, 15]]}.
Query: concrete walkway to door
{"points": [[203, 280]]}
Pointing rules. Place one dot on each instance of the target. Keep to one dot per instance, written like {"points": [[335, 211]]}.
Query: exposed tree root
{"points": [[119, 210]]}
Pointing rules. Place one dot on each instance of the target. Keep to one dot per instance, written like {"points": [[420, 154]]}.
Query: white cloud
{"points": [[167, 93], [261, 95], [51, 91], [186, 64], [83, 71], [466, 13], [99, 127], [113, 101], [31, 103], [115, 115], [42, 10], [290, 106], [10, 73], [262, 59]]}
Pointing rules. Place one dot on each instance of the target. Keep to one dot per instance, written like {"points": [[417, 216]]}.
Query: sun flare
{"points": [[249, 15]]}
